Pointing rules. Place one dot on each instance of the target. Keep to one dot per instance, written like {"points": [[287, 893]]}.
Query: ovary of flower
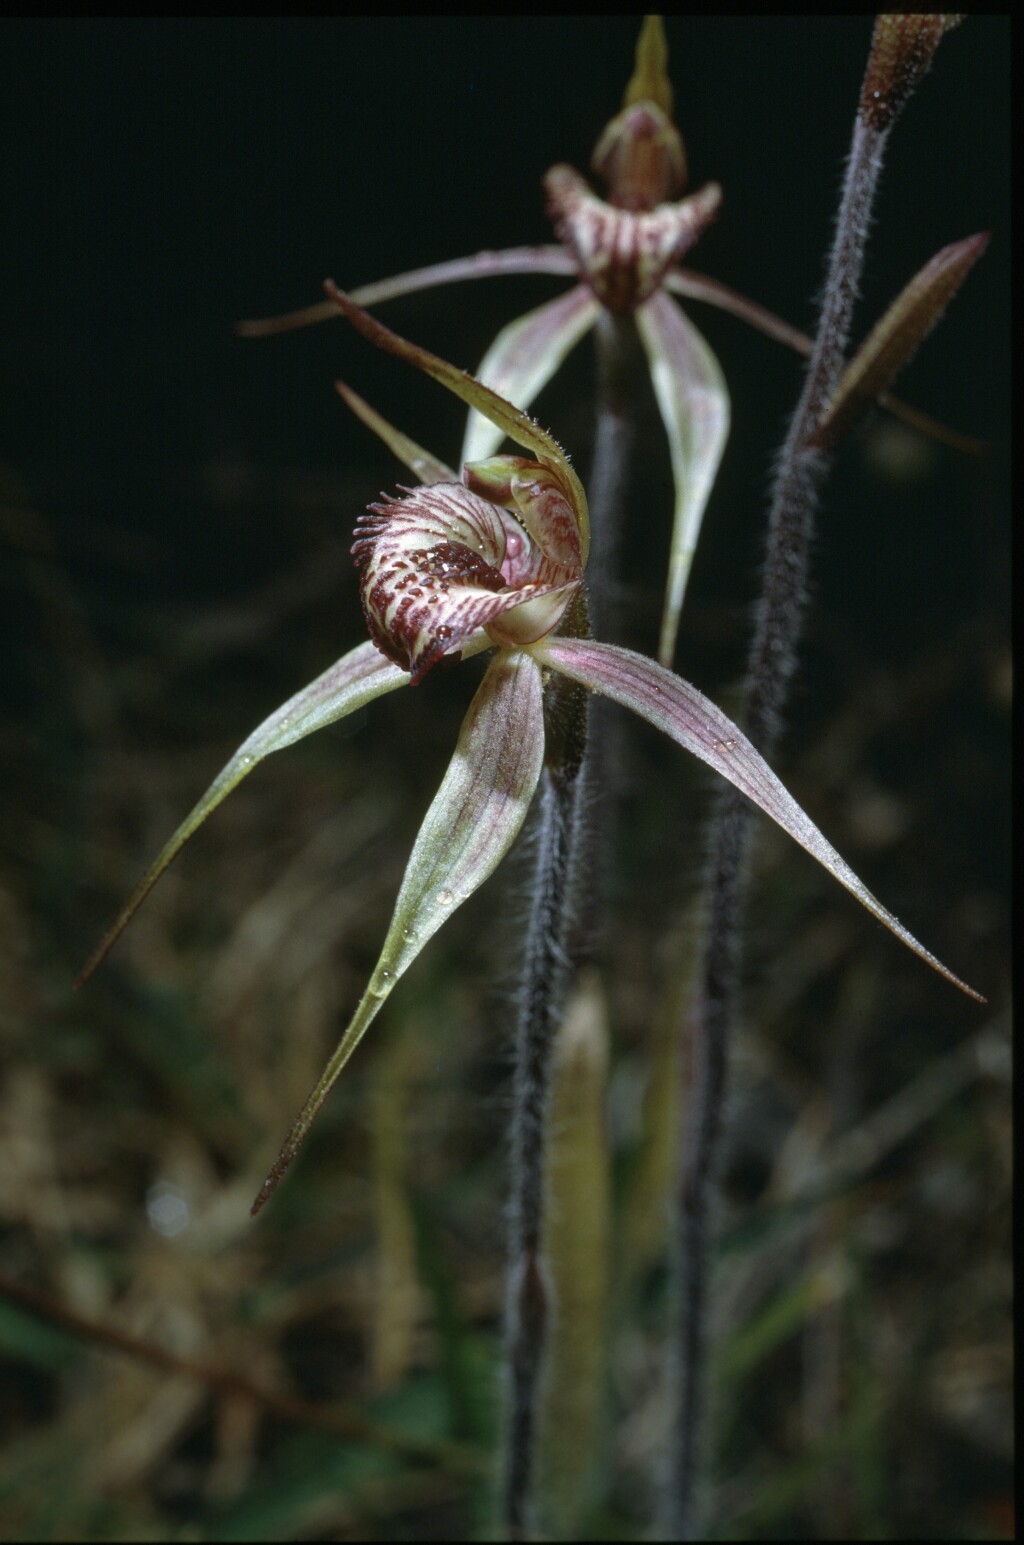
{"points": [[445, 572]]}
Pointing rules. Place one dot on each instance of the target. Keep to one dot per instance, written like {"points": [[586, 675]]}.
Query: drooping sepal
{"points": [[470, 826], [694, 403], [352, 682], [688, 717], [511, 420], [481, 265], [694, 286]]}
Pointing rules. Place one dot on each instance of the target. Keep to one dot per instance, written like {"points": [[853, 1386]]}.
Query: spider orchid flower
{"points": [[493, 561]]}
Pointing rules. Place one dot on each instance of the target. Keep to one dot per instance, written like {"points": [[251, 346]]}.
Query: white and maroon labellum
{"points": [[624, 254], [440, 562]]}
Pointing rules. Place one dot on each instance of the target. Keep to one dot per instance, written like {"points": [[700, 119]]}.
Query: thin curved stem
{"points": [[779, 618]]}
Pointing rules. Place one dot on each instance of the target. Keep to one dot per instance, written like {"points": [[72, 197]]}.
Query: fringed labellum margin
{"points": [[442, 561]]}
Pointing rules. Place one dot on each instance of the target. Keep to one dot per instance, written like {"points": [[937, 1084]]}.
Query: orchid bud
{"points": [[640, 155]]}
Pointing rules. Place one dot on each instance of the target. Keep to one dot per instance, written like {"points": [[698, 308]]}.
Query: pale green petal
{"points": [[524, 357], [694, 404], [426, 466], [354, 680], [473, 821]]}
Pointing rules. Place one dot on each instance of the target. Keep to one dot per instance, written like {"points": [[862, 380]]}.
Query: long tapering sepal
{"points": [[481, 265], [473, 821], [673, 706], [352, 682]]}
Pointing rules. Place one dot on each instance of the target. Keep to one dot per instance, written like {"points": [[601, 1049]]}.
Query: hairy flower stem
{"points": [[779, 616], [621, 368], [567, 890], [548, 968], [619, 363]]}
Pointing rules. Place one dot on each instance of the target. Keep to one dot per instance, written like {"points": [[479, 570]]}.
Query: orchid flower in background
{"points": [[491, 562]]}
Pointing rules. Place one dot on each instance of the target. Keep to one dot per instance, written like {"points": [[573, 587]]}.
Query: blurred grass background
{"points": [[175, 512]]}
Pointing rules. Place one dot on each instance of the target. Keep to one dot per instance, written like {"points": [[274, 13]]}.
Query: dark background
{"points": [[163, 178], [176, 506]]}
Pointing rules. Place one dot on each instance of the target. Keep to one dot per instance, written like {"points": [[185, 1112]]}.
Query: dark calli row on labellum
{"points": [[454, 567]]}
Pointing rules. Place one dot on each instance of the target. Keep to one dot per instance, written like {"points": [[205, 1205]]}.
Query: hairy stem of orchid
{"points": [[567, 891], [620, 366], [621, 371], [549, 968], [778, 623], [568, 894]]}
